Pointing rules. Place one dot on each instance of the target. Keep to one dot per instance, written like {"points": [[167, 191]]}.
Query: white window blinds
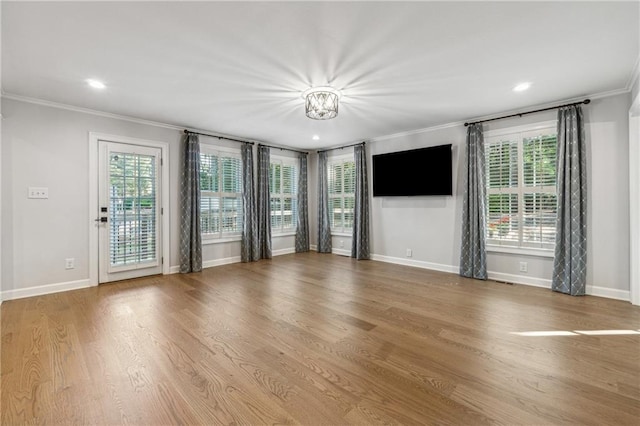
{"points": [[521, 188], [283, 186], [342, 178], [221, 193]]}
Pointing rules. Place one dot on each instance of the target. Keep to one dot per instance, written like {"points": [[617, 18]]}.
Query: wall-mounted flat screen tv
{"points": [[424, 171]]}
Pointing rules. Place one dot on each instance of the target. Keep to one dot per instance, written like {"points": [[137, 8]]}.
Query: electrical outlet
{"points": [[341, 243], [523, 266], [409, 252], [38, 192], [69, 263]]}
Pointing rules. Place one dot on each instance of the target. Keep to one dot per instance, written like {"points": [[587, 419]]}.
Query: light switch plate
{"points": [[38, 192]]}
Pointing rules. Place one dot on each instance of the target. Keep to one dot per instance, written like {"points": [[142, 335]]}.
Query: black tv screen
{"points": [[424, 171]]}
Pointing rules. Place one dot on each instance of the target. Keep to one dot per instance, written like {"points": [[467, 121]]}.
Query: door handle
{"points": [[101, 219]]}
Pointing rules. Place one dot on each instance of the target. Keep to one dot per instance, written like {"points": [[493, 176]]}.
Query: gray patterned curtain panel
{"points": [[190, 233], [324, 225], [360, 240], [473, 254], [302, 229], [249, 244], [570, 260], [264, 204]]}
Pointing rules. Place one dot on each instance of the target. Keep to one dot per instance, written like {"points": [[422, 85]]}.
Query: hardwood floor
{"points": [[317, 340]]}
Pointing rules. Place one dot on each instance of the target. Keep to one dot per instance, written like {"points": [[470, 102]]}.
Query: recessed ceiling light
{"points": [[316, 138], [96, 84], [522, 87]]}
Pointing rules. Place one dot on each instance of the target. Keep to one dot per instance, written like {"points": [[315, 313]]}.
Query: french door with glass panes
{"points": [[129, 212]]}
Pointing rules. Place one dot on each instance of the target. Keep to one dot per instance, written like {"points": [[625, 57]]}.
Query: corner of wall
{"points": [[634, 80]]}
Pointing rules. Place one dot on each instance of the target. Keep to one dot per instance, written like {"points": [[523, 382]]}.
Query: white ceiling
{"points": [[238, 68]]}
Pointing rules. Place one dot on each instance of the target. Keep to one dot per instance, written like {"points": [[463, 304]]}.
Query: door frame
{"points": [[94, 207], [634, 200]]}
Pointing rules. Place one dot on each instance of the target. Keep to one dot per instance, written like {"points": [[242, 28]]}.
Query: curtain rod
{"points": [[340, 147], [586, 101], [216, 136], [283, 149]]}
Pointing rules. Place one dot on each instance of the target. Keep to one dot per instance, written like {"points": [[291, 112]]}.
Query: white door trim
{"points": [[634, 200], [94, 202]]}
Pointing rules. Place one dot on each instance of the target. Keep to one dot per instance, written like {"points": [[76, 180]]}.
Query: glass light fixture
{"points": [[321, 103]]}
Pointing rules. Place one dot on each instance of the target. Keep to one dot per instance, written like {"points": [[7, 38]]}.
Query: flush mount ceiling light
{"points": [[321, 103]]}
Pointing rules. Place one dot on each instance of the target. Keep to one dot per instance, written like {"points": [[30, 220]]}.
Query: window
{"points": [[342, 187], [521, 187], [220, 193], [283, 186]]}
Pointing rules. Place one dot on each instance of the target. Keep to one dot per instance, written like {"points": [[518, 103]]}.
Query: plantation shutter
{"points": [[335, 196], [289, 192], [521, 189], [539, 154], [221, 194], [231, 179], [502, 191], [209, 200]]}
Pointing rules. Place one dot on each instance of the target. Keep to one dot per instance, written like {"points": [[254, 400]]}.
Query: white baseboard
{"points": [[313, 247], [220, 262], [233, 259], [283, 251], [519, 279], [609, 293], [40, 290], [341, 252], [415, 263], [210, 263]]}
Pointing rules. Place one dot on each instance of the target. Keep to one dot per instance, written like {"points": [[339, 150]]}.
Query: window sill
{"points": [[342, 234], [521, 251], [207, 241], [283, 234]]}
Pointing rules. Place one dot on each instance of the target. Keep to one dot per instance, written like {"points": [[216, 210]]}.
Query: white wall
{"points": [[48, 146], [608, 206], [430, 226]]}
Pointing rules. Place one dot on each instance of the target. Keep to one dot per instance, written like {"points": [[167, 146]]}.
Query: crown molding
{"points": [[52, 104], [417, 131], [59, 105], [599, 95]]}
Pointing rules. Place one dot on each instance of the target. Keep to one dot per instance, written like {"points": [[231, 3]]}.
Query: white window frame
{"points": [[222, 237], [340, 159], [520, 247], [285, 161]]}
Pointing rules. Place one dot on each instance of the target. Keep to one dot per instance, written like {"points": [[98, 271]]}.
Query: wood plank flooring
{"points": [[317, 340]]}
